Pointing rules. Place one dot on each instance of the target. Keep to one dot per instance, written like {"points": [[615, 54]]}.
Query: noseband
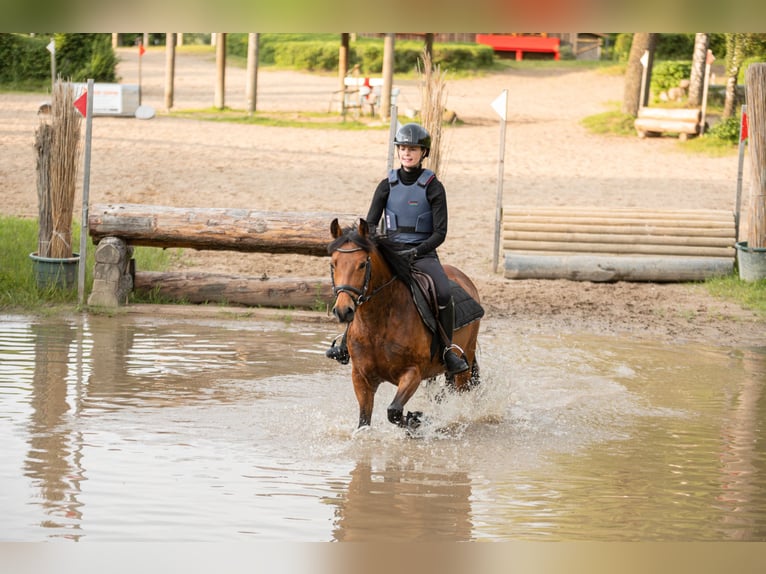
{"points": [[358, 296]]}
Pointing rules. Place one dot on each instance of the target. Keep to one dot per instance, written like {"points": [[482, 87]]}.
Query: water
{"points": [[132, 428]]}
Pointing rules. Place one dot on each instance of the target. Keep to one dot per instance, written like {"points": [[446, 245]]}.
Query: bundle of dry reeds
{"points": [[58, 153], [433, 96], [755, 86], [43, 144]]}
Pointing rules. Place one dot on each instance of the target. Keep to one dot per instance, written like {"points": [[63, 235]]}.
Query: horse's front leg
{"points": [[407, 384], [365, 396]]}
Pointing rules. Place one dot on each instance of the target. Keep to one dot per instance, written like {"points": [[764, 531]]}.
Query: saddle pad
{"points": [[467, 309]]}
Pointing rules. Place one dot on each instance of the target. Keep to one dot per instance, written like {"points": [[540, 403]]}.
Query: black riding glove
{"points": [[409, 254]]}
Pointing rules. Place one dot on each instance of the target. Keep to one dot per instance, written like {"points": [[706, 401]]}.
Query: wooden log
{"points": [[215, 228], [197, 287], [615, 248], [620, 238], [615, 268], [720, 231], [666, 126], [618, 216], [676, 114]]}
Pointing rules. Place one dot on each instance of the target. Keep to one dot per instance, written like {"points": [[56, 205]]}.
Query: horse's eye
{"points": [[362, 265]]}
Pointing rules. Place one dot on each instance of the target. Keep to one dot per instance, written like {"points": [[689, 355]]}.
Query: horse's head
{"points": [[350, 268]]}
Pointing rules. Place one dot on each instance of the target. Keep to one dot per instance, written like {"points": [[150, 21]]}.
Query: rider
{"points": [[415, 207]]}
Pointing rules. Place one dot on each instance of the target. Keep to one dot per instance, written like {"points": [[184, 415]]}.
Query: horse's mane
{"points": [[399, 266]]}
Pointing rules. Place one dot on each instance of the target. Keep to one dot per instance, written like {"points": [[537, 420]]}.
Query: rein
{"points": [[361, 294]]}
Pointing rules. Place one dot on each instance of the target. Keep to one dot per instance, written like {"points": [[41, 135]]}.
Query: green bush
{"points": [[668, 74], [24, 59], [726, 130], [83, 56]]}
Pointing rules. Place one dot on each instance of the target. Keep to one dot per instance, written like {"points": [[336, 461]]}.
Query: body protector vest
{"points": [[408, 213]]}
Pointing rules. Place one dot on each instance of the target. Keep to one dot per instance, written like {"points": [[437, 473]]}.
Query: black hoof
{"points": [[413, 420], [395, 416]]}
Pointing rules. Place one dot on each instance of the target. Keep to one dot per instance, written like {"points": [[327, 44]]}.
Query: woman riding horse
{"points": [[415, 205]]}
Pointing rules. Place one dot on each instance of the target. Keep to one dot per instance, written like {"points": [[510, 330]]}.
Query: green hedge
{"points": [[319, 52], [25, 60]]}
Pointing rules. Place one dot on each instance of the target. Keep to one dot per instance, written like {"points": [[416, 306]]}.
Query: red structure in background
{"points": [[520, 44]]}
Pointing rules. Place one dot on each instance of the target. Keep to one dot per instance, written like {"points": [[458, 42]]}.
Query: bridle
{"points": [[358, 296]]}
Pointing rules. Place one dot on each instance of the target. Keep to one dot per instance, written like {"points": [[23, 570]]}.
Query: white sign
{"points": [[645, 59], [500, 105], [112, 99], [51, 46]]}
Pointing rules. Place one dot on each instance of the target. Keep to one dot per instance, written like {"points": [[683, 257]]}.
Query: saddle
{"points": [[467, 309]]}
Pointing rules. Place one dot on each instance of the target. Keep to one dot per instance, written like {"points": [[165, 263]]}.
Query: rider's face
{"points": [[410, 156]]}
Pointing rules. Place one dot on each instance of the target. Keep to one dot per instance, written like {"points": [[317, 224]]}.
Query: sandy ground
{"points": [[550, 159]]}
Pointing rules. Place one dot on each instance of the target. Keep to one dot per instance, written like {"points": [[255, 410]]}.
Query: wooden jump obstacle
{"points": [[656, 121], [117, 228], [596, 244]]}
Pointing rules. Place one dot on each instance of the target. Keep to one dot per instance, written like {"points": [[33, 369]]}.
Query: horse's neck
{"points": [[391, 295]]}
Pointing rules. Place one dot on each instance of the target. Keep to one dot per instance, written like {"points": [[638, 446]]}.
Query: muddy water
{"points": [[159, 429]]}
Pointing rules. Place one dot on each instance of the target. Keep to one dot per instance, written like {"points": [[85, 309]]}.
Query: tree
{"points": [[632, 96], [697, 78], [737, 46]]}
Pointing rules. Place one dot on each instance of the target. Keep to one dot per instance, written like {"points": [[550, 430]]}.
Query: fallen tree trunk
{"points": [[615, 268], [197, 287], [221, 229]]}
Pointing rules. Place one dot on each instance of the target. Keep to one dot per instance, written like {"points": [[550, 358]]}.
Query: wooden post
{"points": [[170, 69], [388, 76], [500, 105], [85, 196], [253, 40], [220, 67], [740, 169], [708, 63]]}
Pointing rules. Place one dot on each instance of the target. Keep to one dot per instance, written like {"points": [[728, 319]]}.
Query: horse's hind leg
{"points": [[465, 381]]}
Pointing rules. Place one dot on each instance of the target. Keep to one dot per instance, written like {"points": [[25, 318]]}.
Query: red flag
{"points": [[141, 50], [81, 104], [743, 128]]}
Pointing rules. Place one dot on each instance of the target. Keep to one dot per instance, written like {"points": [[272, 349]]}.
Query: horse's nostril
{"points": [[343, 314]]}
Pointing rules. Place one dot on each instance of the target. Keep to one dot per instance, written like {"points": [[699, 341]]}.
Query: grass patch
{"points": [[18, 287], [612, 122], [748, 294], [315, 120]]}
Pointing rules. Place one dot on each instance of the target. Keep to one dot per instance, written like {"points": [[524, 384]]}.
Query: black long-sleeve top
{"points": [[437, 199]]}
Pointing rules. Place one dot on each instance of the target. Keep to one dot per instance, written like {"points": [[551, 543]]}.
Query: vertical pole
{"points": [[140, 46], [170, 69], [343, 70], [642, 96], [52, 50], [388, 75], [85, 197], [220, 68], [706, 86], [253, 40], [738, 204], [503, 112]]}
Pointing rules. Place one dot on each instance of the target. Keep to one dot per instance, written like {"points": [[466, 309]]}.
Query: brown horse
{"points": [[387, 339]]}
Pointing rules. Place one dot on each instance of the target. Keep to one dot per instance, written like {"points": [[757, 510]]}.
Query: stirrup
{"points": [[455, 364], [338, 352]]}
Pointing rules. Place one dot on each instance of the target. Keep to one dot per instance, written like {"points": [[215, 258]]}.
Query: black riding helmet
{"points": [[414, 134]]}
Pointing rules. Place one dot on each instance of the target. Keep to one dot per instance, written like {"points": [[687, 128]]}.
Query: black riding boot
{"points": [[454, 363], [339, 351]]}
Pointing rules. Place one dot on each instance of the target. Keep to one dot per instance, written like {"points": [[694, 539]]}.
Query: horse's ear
{"points": [[335, 229], [364, 228]]}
